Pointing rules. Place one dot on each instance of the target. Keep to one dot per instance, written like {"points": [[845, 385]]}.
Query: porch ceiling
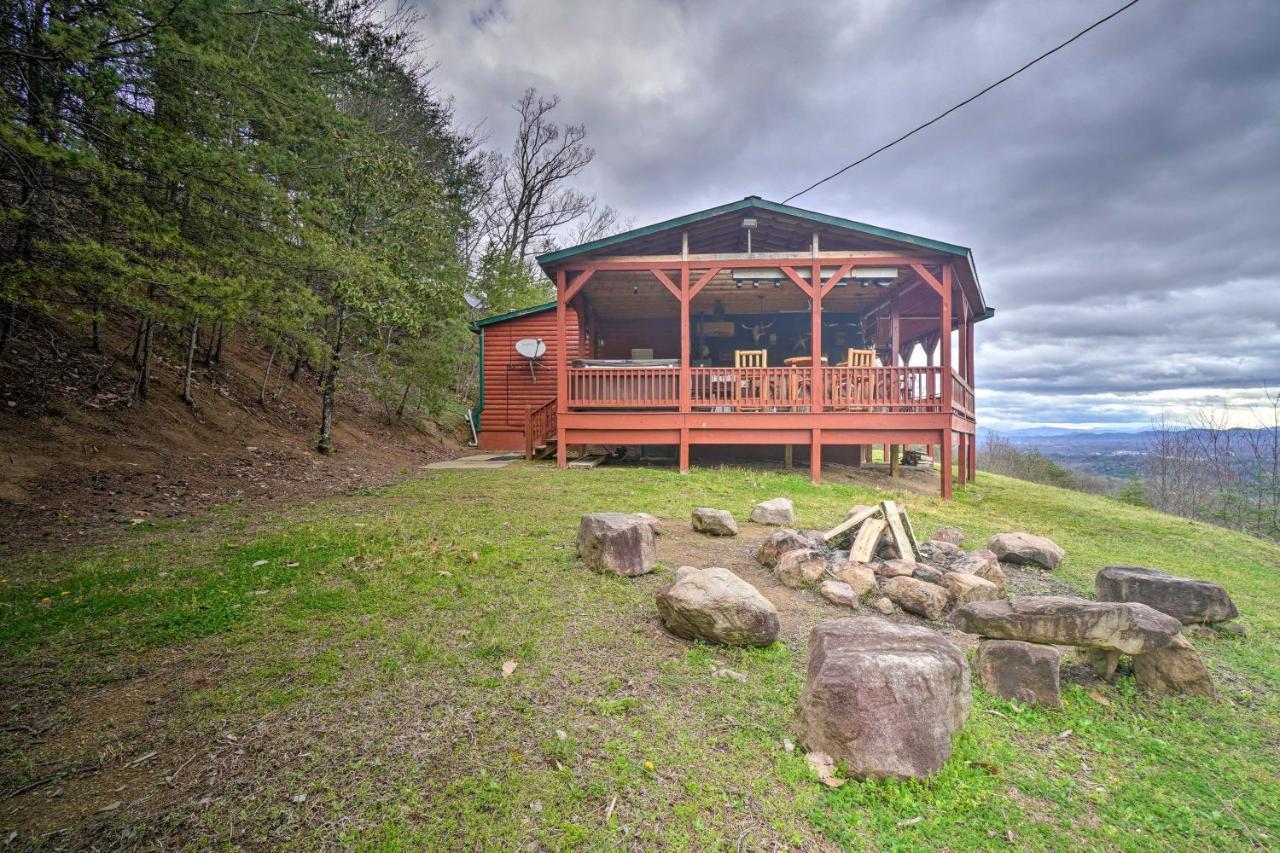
{"points": [[633, 295]]}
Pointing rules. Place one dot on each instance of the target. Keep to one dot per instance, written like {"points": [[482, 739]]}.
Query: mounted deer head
{"points": [[757, 331]]}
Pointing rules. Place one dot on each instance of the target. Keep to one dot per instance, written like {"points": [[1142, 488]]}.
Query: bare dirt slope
{"points": [[80, 457]]}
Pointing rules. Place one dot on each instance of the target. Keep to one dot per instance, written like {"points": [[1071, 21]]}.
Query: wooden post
{"points": [[815, 456], [562, 371], [686, 355], [962, 458], [944, 339], [895, 347], [787, 456], [686, 380], [815, 317], [973, 443]]}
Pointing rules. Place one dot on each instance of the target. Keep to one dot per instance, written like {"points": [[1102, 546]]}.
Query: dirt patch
{"points": [[82, 459]]}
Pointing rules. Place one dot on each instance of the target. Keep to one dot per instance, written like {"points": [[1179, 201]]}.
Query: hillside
{"points": [[82, 458], [333, 675]]}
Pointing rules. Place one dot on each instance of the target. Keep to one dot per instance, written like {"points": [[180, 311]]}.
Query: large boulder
{"points": [[966, 588], [617, 542], [1174, 669], [802, 567], [982, 563], [1025, 549], [861, 579], [952, 535], [779, 543], [779, 511], [1189, 601], [714, 522], [717, 606], [938, 553], [1131, 629], [882, 697], [916, 596], [1028, 672]]}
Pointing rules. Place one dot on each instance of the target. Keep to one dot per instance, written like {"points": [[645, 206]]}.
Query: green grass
{"points": [[364, 656]]}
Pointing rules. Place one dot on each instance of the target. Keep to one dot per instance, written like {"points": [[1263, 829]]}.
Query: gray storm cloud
{"points": [[1122, 198]]}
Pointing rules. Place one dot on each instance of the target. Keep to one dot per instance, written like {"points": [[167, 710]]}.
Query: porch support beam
{"points": [[815, 456], [790, 273], [944, 341], [578, 282], [661, 276], [815, 331], [686, 348], [923, 272], [702, 282], [895, 354], [562, 364]]}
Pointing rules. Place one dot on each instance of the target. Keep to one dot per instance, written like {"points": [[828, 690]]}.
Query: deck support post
{"points": [[788, 456], [686, 375], [895, 348], [815, 316], [973, 443], [815, 457], [562, 370], [962, 459], [944, 341], [684, 450]]}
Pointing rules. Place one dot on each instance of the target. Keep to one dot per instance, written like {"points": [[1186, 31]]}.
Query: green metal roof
{"points": [[761, 204], [519, 312]]}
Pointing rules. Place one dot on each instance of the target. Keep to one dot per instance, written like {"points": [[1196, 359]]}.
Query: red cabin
{"points": [[752, 323]]}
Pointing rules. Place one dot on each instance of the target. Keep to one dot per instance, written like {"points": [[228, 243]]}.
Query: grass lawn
{"points": [[333, 675]]}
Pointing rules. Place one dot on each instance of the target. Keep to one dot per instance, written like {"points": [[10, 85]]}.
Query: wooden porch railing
{"points": [[894, 389], [624, 387], [740, 389], [539, 427], [961, 396], [767, 389]]}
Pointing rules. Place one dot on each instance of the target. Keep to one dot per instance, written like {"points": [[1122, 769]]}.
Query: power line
{"points": [[965, 102]]}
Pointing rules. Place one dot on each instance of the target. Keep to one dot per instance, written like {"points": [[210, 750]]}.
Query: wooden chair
{"points": [[754, 388], [860, 358], [849, 389]]}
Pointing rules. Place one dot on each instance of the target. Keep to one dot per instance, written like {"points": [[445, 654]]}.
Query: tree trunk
{"points": [[208, 349], [329, 389], [137, 343], [95, 340], [191, 358], [6, 325], [217, 350], [144, 366], [404, 398], [297, 366], [266, 377]]}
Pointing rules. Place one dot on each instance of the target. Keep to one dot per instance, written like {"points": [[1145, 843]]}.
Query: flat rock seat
{"points": [[882, 697], [1127, 628], [1187, 600]]}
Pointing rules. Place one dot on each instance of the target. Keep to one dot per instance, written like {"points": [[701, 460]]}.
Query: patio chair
{"points": [[753, 387]]}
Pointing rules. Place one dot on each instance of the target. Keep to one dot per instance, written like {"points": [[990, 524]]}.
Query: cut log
{"points": [[867, 541], [898, 533], [850, 523], [911, 533]]}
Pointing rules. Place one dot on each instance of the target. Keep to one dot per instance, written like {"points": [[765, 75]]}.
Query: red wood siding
{"points": [[509, 390]]}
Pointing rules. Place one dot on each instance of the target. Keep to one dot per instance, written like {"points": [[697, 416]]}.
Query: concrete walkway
{"points": [[478, 460]]}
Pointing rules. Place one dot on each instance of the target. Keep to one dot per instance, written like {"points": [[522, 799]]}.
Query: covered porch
{"points": [[837, 341]]}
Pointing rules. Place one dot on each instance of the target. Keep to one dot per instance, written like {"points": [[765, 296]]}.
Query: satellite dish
{"points": [[532, 349]]}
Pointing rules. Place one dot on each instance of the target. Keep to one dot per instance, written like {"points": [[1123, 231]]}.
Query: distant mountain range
{"points": [[1057, 432]]}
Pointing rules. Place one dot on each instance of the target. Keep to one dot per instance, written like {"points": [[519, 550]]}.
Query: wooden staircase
{"points": [[540, 431]]}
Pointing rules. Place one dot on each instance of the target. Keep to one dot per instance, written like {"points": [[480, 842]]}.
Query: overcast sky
{"points": [[1122, 198]]}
